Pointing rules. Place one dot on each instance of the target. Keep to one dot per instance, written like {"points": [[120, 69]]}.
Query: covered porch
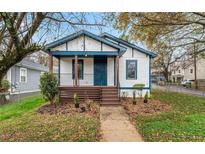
{"points": [[85, 69], [93, 75]]}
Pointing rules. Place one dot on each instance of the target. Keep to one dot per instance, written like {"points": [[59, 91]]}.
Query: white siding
{"points": [[108, 48], [92, 45], [60, 47], [142, 70], [78, 45], [66, 72], [88, 80]]}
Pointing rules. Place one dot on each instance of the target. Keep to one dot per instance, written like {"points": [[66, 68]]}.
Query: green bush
{"points": [[49, 86], [76, 100], [5, 85], [188, 85], [138, 86], [146, 97]]}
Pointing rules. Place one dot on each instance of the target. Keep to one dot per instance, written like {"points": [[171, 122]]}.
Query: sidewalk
{"points": [[116, 127]]}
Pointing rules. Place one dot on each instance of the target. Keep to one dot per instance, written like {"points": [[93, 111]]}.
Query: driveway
{"points": [[180, 89]]}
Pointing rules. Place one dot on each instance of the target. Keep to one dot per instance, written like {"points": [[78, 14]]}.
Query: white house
{"points": [[184, 70], [100, 67]]}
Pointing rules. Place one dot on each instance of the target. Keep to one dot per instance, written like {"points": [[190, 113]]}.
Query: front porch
{"points": [[91, 77]]}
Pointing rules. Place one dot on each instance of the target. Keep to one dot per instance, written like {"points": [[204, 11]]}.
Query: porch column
{"points": [[76, 70], [50, 63], [117, 69], [59, 70]]}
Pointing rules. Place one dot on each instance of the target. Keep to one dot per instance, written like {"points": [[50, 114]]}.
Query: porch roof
{"points": [[83, 53]]}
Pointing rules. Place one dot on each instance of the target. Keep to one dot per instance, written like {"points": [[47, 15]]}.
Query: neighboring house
{"points": [[25, 77], [184, 70], [157, 76], [100, 67]]}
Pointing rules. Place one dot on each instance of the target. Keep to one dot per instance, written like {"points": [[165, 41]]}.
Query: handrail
{"points": [[118, 87]]}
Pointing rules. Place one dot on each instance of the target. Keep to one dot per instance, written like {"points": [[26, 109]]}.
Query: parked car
{"points": [[186, 83]]}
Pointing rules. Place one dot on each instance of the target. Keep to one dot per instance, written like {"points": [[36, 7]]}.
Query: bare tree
{"points": [[24, 33]]}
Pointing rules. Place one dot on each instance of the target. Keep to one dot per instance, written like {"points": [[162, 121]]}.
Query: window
{"points": [[179, 71], [191, 71], [23, 75], [131, 69], [80, 69]]}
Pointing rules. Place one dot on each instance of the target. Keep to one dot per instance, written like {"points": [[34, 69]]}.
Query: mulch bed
{"points": [[153, 107], [69, 109]]}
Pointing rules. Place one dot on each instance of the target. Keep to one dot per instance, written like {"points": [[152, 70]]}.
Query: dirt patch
{"points": [[153, 107], [69, 109]]}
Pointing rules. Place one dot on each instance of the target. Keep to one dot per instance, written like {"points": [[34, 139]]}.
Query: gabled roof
{"points": [[88, 34], [32, 65], [106, 35]]}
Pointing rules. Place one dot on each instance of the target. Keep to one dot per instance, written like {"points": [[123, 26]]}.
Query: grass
{"points": [[21, 122], [185, 121]]}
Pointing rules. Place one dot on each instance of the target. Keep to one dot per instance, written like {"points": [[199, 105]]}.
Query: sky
{"points": [[66, 29], [90, 17]]}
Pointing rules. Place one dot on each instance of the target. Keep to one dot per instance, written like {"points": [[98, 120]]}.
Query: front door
{"points": [[100, 71]]}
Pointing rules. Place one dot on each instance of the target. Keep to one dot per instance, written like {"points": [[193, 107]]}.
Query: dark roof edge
{"points": [[83, 32], [114, 38]]}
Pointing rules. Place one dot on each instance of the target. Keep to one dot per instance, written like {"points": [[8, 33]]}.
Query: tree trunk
{"points": [[166, 74], [195, 69], [2, 96]]}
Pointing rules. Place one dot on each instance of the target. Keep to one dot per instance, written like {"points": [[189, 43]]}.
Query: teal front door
{"points": [[100, 71]]}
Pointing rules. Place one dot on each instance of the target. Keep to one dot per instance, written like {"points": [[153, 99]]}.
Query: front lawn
{"points": [[21, 122], [185, 121]]}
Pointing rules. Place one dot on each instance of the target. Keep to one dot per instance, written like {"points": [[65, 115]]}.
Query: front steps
{"points": [[105, 95], [110, 96]]}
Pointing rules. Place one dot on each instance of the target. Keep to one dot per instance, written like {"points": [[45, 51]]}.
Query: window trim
{"points": [[26, 76], [191, 71], [73, 69], [127, 61]]}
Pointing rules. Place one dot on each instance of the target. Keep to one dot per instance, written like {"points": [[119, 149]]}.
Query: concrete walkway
{"points": [[116, 127]]}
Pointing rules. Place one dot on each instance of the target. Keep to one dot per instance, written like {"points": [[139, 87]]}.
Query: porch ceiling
{"points": [[83, 53]]}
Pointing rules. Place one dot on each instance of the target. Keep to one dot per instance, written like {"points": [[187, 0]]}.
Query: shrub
{"points": [[139, 87], [88, 103], [5, 85], [146, 97], [76, 100], [49, 86]]}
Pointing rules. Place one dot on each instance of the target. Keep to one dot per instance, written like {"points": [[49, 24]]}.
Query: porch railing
{"points": [[87, 79]]}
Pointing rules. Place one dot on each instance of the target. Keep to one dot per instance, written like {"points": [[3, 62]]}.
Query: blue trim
{"points": [[150, 84], [127, 69], [59, 70], [86, 33], [115, 72], [84, 53], [73, 76], [133, 88], [152, 54]]}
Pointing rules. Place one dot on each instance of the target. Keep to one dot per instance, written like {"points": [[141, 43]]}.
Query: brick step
{"points": [[109, 97], [110, 103], [79, 94], [90, 97]]}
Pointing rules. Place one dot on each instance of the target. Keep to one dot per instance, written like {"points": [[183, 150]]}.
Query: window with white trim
{"points": [[131, 69], [23, 75]]}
